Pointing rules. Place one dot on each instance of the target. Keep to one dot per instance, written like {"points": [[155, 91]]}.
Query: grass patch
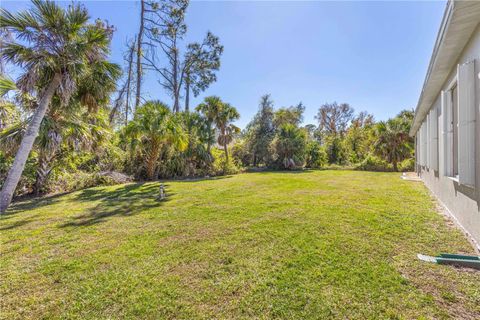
{"points": [[299, 245]]}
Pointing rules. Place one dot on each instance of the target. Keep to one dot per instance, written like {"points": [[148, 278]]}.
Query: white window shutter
{"points": [[466, 123], [440, 147], [427, 140], [425, 143], [422, 143], [417, 151], [434, 139], [430, 139], [447, 131], [419, 145]]}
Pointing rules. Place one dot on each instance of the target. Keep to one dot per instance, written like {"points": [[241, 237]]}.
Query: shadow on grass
{"points": [[201, 179], [282, 171], [30, 202], [124, 201], [16, 224]]}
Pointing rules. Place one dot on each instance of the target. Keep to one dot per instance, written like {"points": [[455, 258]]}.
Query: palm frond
{"points": [[6, 85], [49, 14], [77, 16], [11, 136], [20, 22]]}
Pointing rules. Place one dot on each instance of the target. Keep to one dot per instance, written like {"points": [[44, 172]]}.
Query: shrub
{"points": [[78, 180], [288, 147], [220, 165], [172, 165], [407, 165], [240, 154], [335, 149], [27, 180], [373, 163], [316, 156]]}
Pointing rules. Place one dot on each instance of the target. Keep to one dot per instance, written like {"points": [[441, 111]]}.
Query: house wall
{"points": [[462, 201]]}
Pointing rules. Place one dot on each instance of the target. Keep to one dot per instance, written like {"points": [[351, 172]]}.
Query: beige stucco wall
{"points": [[463, 202]]}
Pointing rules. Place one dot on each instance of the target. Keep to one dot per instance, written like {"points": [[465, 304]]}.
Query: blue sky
{"points": [[372, 55]]}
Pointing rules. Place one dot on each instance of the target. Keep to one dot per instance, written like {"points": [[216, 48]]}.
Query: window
{"points": [[459, 125]]}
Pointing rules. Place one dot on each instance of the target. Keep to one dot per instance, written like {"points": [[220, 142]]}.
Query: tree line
{"points": [[275, 139], [73, 119]]}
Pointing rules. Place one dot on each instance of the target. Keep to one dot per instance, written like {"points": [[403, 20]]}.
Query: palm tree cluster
{"points": [[163, 143], [57, 117], [63, 58], [221, 114], [154, 127]]}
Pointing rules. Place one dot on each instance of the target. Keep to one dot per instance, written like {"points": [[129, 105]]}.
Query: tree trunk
{"points": [[139, 55], [116, 106], [176, 92], [151, 163], [225, 147], [129, 80], [15, 172], [187, 93], [395, 165], [43, 171], [209, 146]]}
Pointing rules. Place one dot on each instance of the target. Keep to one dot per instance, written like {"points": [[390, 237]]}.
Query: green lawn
{"points": [[300, 245]]}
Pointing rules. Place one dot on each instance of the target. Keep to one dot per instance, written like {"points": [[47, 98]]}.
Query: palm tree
{"points": [[55, 48], [59, 133], [221, 114], [199, 136], [65, 127], [223, 120], [56, 134], [393, 142], [210, 107], [153, 127]]}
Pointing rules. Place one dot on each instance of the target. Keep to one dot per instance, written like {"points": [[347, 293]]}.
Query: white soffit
{"points": [[460, 20]]}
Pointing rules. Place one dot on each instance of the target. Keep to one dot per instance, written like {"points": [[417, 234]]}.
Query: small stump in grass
{"points": [[163, 194]]}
